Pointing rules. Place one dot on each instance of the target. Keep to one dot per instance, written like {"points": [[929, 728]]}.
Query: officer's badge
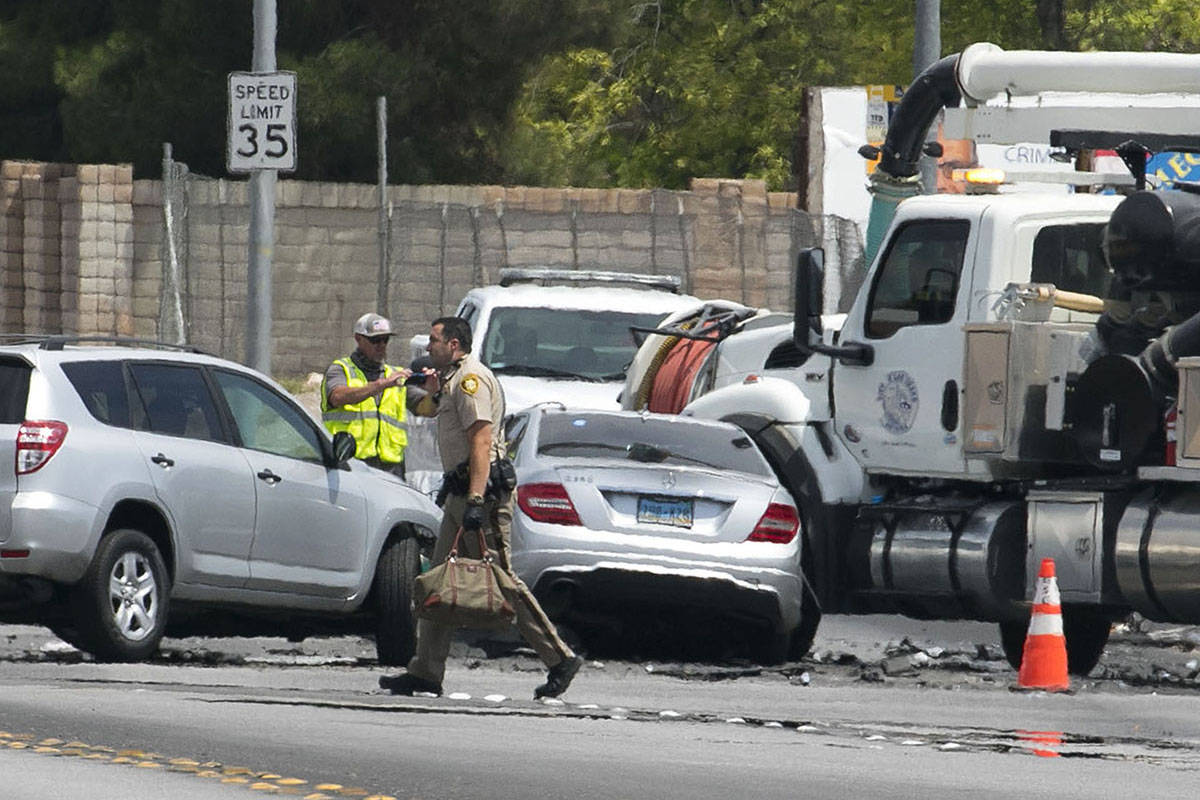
{"points": [[470, 384]]}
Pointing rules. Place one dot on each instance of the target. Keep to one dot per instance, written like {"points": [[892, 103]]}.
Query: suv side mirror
{"points": [[343, 447]]}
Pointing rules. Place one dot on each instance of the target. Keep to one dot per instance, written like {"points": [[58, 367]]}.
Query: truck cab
{"points": [[945, 265]]}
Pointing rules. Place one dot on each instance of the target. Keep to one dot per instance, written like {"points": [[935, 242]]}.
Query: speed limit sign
{"points": [[262, 121]]}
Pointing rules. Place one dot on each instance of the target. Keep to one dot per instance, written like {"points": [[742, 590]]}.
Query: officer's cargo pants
{"points": [[433, 640]]}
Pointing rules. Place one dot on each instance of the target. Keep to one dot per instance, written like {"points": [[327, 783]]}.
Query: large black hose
{"points": [[933, 90]]}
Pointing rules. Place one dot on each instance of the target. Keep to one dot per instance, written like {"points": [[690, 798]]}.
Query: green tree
{"points": [[697, 87], [713, 87], [617, 93], [111, 80]]}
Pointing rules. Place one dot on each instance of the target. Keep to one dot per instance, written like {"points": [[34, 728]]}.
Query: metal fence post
{"points": [[381, 288], [171, 324]]}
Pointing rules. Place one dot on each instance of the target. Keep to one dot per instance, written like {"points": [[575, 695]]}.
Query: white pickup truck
{"points": [[553, 335]]}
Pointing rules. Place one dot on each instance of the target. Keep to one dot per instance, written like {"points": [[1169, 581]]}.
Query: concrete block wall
{"points": [[83, 250]]}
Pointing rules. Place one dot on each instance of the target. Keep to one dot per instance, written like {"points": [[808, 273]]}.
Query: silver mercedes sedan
{"points": [[636, 512]]}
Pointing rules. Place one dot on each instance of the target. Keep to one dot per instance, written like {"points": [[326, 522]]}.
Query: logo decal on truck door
{"points": [[898, 397]]}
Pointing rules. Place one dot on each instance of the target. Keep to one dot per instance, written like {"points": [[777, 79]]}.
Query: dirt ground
{"points": [[1140, 656]]}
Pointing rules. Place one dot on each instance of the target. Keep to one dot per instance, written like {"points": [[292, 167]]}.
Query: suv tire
{"points": [[396, 631], [121, 603]]}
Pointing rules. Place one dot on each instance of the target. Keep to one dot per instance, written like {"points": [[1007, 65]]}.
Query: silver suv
{"points": [[154, 489]]}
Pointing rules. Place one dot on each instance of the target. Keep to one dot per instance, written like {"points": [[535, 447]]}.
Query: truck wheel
{"points": [[1085, 629], [806, 631], [122, 601], [396, 629]]}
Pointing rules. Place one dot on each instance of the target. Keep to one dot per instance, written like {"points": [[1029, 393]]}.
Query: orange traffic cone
{"points": [[1044, 660]]}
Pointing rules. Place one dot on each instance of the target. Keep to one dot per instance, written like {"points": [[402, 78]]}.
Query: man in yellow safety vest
{"points": [[365, 397]]}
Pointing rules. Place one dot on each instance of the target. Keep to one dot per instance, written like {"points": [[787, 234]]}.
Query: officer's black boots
{"points": [[404, 683], [559, 678]]}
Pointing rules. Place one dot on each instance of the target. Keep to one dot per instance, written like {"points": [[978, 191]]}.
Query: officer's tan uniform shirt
{"points": [[470, 392]]}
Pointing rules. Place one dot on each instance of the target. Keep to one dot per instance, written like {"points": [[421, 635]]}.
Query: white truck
{"points": [[1003, 388], [551, 335]]}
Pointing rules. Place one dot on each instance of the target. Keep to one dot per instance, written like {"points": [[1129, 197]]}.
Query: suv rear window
{"points": [[101, 386], [14, 391]]}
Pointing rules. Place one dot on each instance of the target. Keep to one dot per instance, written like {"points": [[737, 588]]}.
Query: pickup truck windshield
{"points": [[562, 342]]}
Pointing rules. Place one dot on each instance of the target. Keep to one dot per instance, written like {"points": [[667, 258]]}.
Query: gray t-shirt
{"points": [[335, 376]]}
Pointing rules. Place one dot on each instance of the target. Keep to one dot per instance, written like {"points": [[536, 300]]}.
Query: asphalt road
{"points": [[886, 706]]}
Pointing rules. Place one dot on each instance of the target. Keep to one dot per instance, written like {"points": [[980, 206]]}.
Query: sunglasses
{"points": [[378, 339]]}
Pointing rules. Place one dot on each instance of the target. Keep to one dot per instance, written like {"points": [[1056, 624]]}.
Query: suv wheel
{"points": [[121, 603], [396, 632]]}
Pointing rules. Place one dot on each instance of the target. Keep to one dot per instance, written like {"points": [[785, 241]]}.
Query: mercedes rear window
{"points": [[14, 390], [649, 441]]}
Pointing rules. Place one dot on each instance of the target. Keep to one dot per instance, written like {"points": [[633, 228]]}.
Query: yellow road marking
{"points": [[267, 782]]}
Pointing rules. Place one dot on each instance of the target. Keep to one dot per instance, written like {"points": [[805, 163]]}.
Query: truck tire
{"points": [[804, 633], [1086, 632], [122, 601], [396, 628]]}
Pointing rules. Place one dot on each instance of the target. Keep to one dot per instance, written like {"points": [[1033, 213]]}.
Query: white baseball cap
{"points": [[373, 325]]}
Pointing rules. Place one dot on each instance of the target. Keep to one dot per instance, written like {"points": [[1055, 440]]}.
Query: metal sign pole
{"points": [[927, 48], [262, 214]]}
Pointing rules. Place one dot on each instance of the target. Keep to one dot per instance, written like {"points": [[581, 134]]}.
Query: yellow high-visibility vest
{"points": [[377, 425]]}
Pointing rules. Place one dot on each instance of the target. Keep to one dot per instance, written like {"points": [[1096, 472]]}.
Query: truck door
{"points": [[901, 413]]}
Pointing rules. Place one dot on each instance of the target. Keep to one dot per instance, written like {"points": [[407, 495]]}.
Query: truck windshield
{"points": [[562, 342]]}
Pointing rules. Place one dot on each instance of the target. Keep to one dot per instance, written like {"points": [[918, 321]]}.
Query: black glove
{"points": [[473, 518]]}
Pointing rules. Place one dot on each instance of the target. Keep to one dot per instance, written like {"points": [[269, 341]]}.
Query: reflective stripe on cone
{"points": [[1044, 659]]}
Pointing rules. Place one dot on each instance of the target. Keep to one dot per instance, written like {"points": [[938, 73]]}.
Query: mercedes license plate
{"points": [[665, 511]]}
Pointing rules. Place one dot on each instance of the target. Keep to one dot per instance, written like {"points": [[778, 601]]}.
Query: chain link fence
{"points": [[723, 243]]}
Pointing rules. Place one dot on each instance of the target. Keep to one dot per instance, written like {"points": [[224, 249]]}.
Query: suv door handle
{"points": [[269, 477], [162, 461]]}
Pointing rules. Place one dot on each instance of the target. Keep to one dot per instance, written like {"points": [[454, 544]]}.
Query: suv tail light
{"points": [[779, 524], [37, 442], [547, 502]]}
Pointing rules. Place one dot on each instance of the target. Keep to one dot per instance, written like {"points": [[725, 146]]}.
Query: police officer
{"points": [[469, 404], [365, 397]]}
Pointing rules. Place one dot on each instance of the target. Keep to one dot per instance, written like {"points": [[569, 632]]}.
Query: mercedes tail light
{"points": [[778, 524], [547, 502], [37, 442]]}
